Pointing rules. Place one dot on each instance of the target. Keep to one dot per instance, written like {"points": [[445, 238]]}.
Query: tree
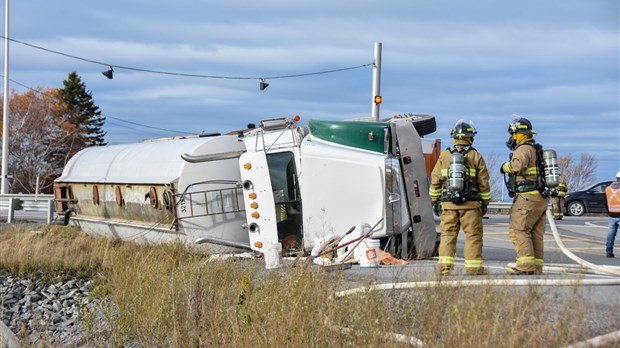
{"points": [[33, 132], [496, 181], [578, 174], [83, 114]]}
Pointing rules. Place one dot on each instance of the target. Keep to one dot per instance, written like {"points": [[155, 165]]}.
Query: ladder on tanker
{"points": [[209, 202]]}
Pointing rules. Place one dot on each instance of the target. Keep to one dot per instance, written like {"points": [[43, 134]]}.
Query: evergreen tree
{"points": [[82, 112]]}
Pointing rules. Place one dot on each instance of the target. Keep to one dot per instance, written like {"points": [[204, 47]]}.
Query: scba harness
{"points": [[461, 185], [542, 169]]}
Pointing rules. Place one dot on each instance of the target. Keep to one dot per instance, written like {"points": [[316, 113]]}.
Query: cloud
{"points": [[554, 61]]}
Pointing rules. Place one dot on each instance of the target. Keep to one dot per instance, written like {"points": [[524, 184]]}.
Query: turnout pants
{"points": [[557, 203], [527, 229], [451, 222]]}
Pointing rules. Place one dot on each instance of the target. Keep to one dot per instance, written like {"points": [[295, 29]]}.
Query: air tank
{"points": [[456, 175], [552, 171]]}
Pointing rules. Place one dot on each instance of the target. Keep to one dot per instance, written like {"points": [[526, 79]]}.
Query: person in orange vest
{"points": [[612, 194]]}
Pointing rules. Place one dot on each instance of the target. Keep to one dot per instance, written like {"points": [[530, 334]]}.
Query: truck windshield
{"points": [[287, 199]]}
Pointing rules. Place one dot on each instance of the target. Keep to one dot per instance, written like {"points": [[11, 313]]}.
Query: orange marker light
{"points": [[247, 166], [296, 118], [254, 205], [255, 215], [252, 195], [258, 244], [378, 99]]}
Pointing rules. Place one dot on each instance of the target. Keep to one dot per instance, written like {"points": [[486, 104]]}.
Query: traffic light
{"points": [[378, 99]]}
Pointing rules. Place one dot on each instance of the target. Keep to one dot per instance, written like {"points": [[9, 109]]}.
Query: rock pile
{"points": [[58, 313]]}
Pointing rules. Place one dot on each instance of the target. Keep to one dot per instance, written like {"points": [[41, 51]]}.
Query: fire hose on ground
{"points": [[586, 266]]}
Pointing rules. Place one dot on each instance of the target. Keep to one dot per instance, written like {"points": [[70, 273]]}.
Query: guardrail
{"points": [[502, 207], [27, 202], [499, 206]]}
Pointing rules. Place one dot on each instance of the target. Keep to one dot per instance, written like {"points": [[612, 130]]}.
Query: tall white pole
{"points": [[376, 83], [5, 107]]}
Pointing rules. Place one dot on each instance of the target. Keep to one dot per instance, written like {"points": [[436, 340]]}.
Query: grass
{"points": [[164, 295]]}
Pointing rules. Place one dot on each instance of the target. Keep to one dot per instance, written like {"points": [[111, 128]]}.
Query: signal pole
{"points": [[376, 83]]}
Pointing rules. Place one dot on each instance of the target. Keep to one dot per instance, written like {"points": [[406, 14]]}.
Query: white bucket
{"points": [[367, 253], [273, 255]]}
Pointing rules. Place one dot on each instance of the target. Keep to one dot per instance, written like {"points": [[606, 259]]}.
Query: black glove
{"points": [[484, 210], [554, 193], [437, 208], [501, 169]]}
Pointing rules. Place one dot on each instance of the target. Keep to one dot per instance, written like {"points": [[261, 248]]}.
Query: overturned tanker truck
{"points": [[277, 183]]}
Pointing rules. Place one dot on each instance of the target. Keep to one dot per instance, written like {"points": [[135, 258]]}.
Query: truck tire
{"points": [[424, 124]]}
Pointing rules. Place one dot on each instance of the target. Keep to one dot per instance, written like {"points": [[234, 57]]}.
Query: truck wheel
{"points": [[424, 124]]}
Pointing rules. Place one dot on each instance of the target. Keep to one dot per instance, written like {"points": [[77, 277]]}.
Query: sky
{"points": [[555, 62]]}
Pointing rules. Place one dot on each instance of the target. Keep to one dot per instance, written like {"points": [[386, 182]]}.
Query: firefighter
{"points": [[460, 192], [557, 199], [526, 185]]}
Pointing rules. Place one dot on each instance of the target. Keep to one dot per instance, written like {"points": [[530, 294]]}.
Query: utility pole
{"points": [[5, 107], [376, 83]]}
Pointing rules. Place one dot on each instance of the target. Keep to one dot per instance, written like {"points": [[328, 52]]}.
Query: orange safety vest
{"points": [[613, 199]]}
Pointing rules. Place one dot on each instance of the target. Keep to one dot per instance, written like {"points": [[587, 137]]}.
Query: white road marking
{"points": [[593, 225]]}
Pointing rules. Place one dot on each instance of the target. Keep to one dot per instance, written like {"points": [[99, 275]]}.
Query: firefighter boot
{"points": [[477, 271], [516, 271], [444, 272]]}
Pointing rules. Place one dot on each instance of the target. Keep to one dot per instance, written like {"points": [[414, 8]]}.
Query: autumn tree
{"points": [[33, 137], [82, 119]]}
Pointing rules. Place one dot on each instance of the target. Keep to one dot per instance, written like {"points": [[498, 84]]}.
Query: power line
{"points": [[185, 74], [143, 125], [107, 116]]}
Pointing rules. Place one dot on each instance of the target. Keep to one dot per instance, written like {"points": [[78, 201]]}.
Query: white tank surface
{"points": [[149, 192]]}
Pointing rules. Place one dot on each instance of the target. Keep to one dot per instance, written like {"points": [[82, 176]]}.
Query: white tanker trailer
{"points": [[277, 183]]}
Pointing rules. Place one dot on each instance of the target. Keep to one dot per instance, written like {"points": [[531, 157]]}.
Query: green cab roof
{"points": [[363, 135]]}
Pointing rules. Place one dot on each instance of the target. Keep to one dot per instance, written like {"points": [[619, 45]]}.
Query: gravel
{"points": [[62, 313]]}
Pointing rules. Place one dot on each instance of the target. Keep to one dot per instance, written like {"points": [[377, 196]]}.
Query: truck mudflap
{"points": [[416, 189]]}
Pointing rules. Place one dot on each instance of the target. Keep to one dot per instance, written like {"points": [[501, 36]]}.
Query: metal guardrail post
{"points": [[50, 211], [11, 213]]}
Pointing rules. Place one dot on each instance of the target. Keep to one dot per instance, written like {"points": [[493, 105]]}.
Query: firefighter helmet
{"points": [[520, 125], [463, 129]]}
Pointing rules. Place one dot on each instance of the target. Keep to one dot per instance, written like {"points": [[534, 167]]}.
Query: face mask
{"points": [[511, 143]]}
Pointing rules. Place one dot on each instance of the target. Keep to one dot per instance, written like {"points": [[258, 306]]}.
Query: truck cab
{"points": [[303, 183]]}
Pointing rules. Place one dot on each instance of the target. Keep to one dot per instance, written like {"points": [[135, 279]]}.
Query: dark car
{"points": [[590, 200]]}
